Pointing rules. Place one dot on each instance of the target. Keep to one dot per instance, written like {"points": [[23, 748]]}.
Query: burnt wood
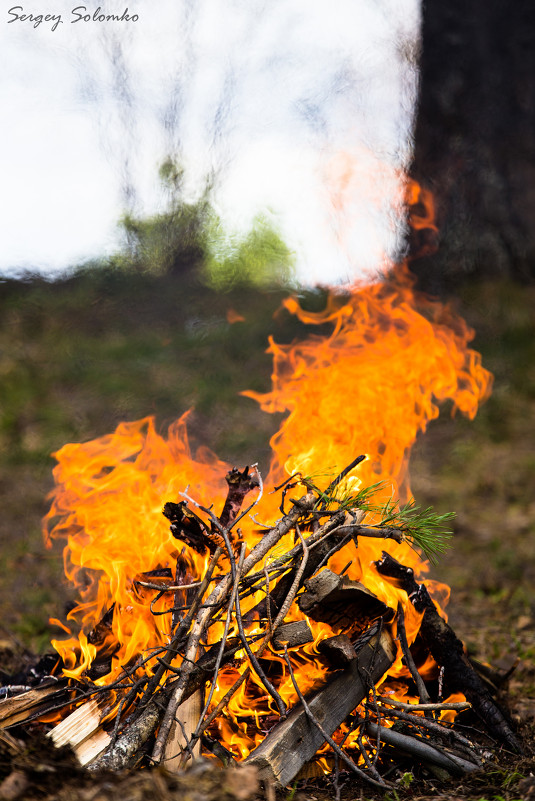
{"points": [[292, 634], [295, 740], [448, 651], [338, 650], [189, 528], [344, 604], [239, 484]]}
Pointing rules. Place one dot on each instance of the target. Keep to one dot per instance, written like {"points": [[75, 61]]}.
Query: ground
{"points": [[77, 358]]}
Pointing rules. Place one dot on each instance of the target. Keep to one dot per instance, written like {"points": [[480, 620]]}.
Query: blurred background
{"points": [[178, 312]]}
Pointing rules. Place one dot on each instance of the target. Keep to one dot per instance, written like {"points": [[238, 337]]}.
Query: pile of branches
{"points": [[154, 720]]}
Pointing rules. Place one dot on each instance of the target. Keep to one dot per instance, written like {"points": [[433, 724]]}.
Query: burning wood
{"points": [[242, 672]]}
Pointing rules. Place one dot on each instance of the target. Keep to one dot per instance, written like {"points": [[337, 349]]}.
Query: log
{"points": [[295, 740], [448, 652], [338, 650], [344, 604], [125, 750]]}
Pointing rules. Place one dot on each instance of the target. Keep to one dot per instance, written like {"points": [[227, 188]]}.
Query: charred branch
{"points": [[239, 484], [448, 651]]}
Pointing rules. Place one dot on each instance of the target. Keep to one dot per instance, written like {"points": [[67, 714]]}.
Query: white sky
{"points": [[301, 108]]}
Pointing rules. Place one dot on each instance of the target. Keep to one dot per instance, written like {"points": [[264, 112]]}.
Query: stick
{"points": [[457, 706], [421, 749], [439, 728], [402, 634]]}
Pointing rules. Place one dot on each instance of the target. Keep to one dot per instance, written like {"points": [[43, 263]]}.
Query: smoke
{"points": [[300, 110]]}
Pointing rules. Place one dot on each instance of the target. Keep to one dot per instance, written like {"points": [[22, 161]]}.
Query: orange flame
{"points": [[370, 387]]}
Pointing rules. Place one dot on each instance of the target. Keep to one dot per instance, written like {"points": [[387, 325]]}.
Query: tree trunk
{"points": [[475, 139]]}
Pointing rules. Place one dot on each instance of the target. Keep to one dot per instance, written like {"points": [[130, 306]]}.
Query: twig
{"points": [[256, 664], [457, 706], [448, 651], [196, 734], [402, 634], [340, 477], [151, 585], [280, 617], [434, 726], [182, 628]]}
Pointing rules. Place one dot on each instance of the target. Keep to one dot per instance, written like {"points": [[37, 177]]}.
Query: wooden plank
{"points": [[94, 745], [295, 740]]}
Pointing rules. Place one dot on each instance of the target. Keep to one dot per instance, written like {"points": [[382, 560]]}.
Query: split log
{"points": [[83, 732], [344, 604], [21, 707], [448, 651], [295, 740]]}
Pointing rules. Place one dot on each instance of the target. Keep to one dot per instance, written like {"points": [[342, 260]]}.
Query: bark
{"points": [[129, 743], [474, 142]]}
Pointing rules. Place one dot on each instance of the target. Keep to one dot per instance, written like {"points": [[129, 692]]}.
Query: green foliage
{"points": [[190, 237], [259, 258], [406, 780], [422, 528], [173, 242]]}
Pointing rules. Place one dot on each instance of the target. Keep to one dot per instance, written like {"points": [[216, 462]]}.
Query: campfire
{"points": [[283, 621]]}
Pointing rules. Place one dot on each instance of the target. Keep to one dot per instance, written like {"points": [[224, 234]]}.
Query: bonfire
{"points": [[280, 621]]}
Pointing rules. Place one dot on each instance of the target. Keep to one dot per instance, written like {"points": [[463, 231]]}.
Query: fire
{"points": [[369, 387]]}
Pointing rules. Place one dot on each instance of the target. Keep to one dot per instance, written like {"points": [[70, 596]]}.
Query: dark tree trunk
{"points": [[475, 139]]}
